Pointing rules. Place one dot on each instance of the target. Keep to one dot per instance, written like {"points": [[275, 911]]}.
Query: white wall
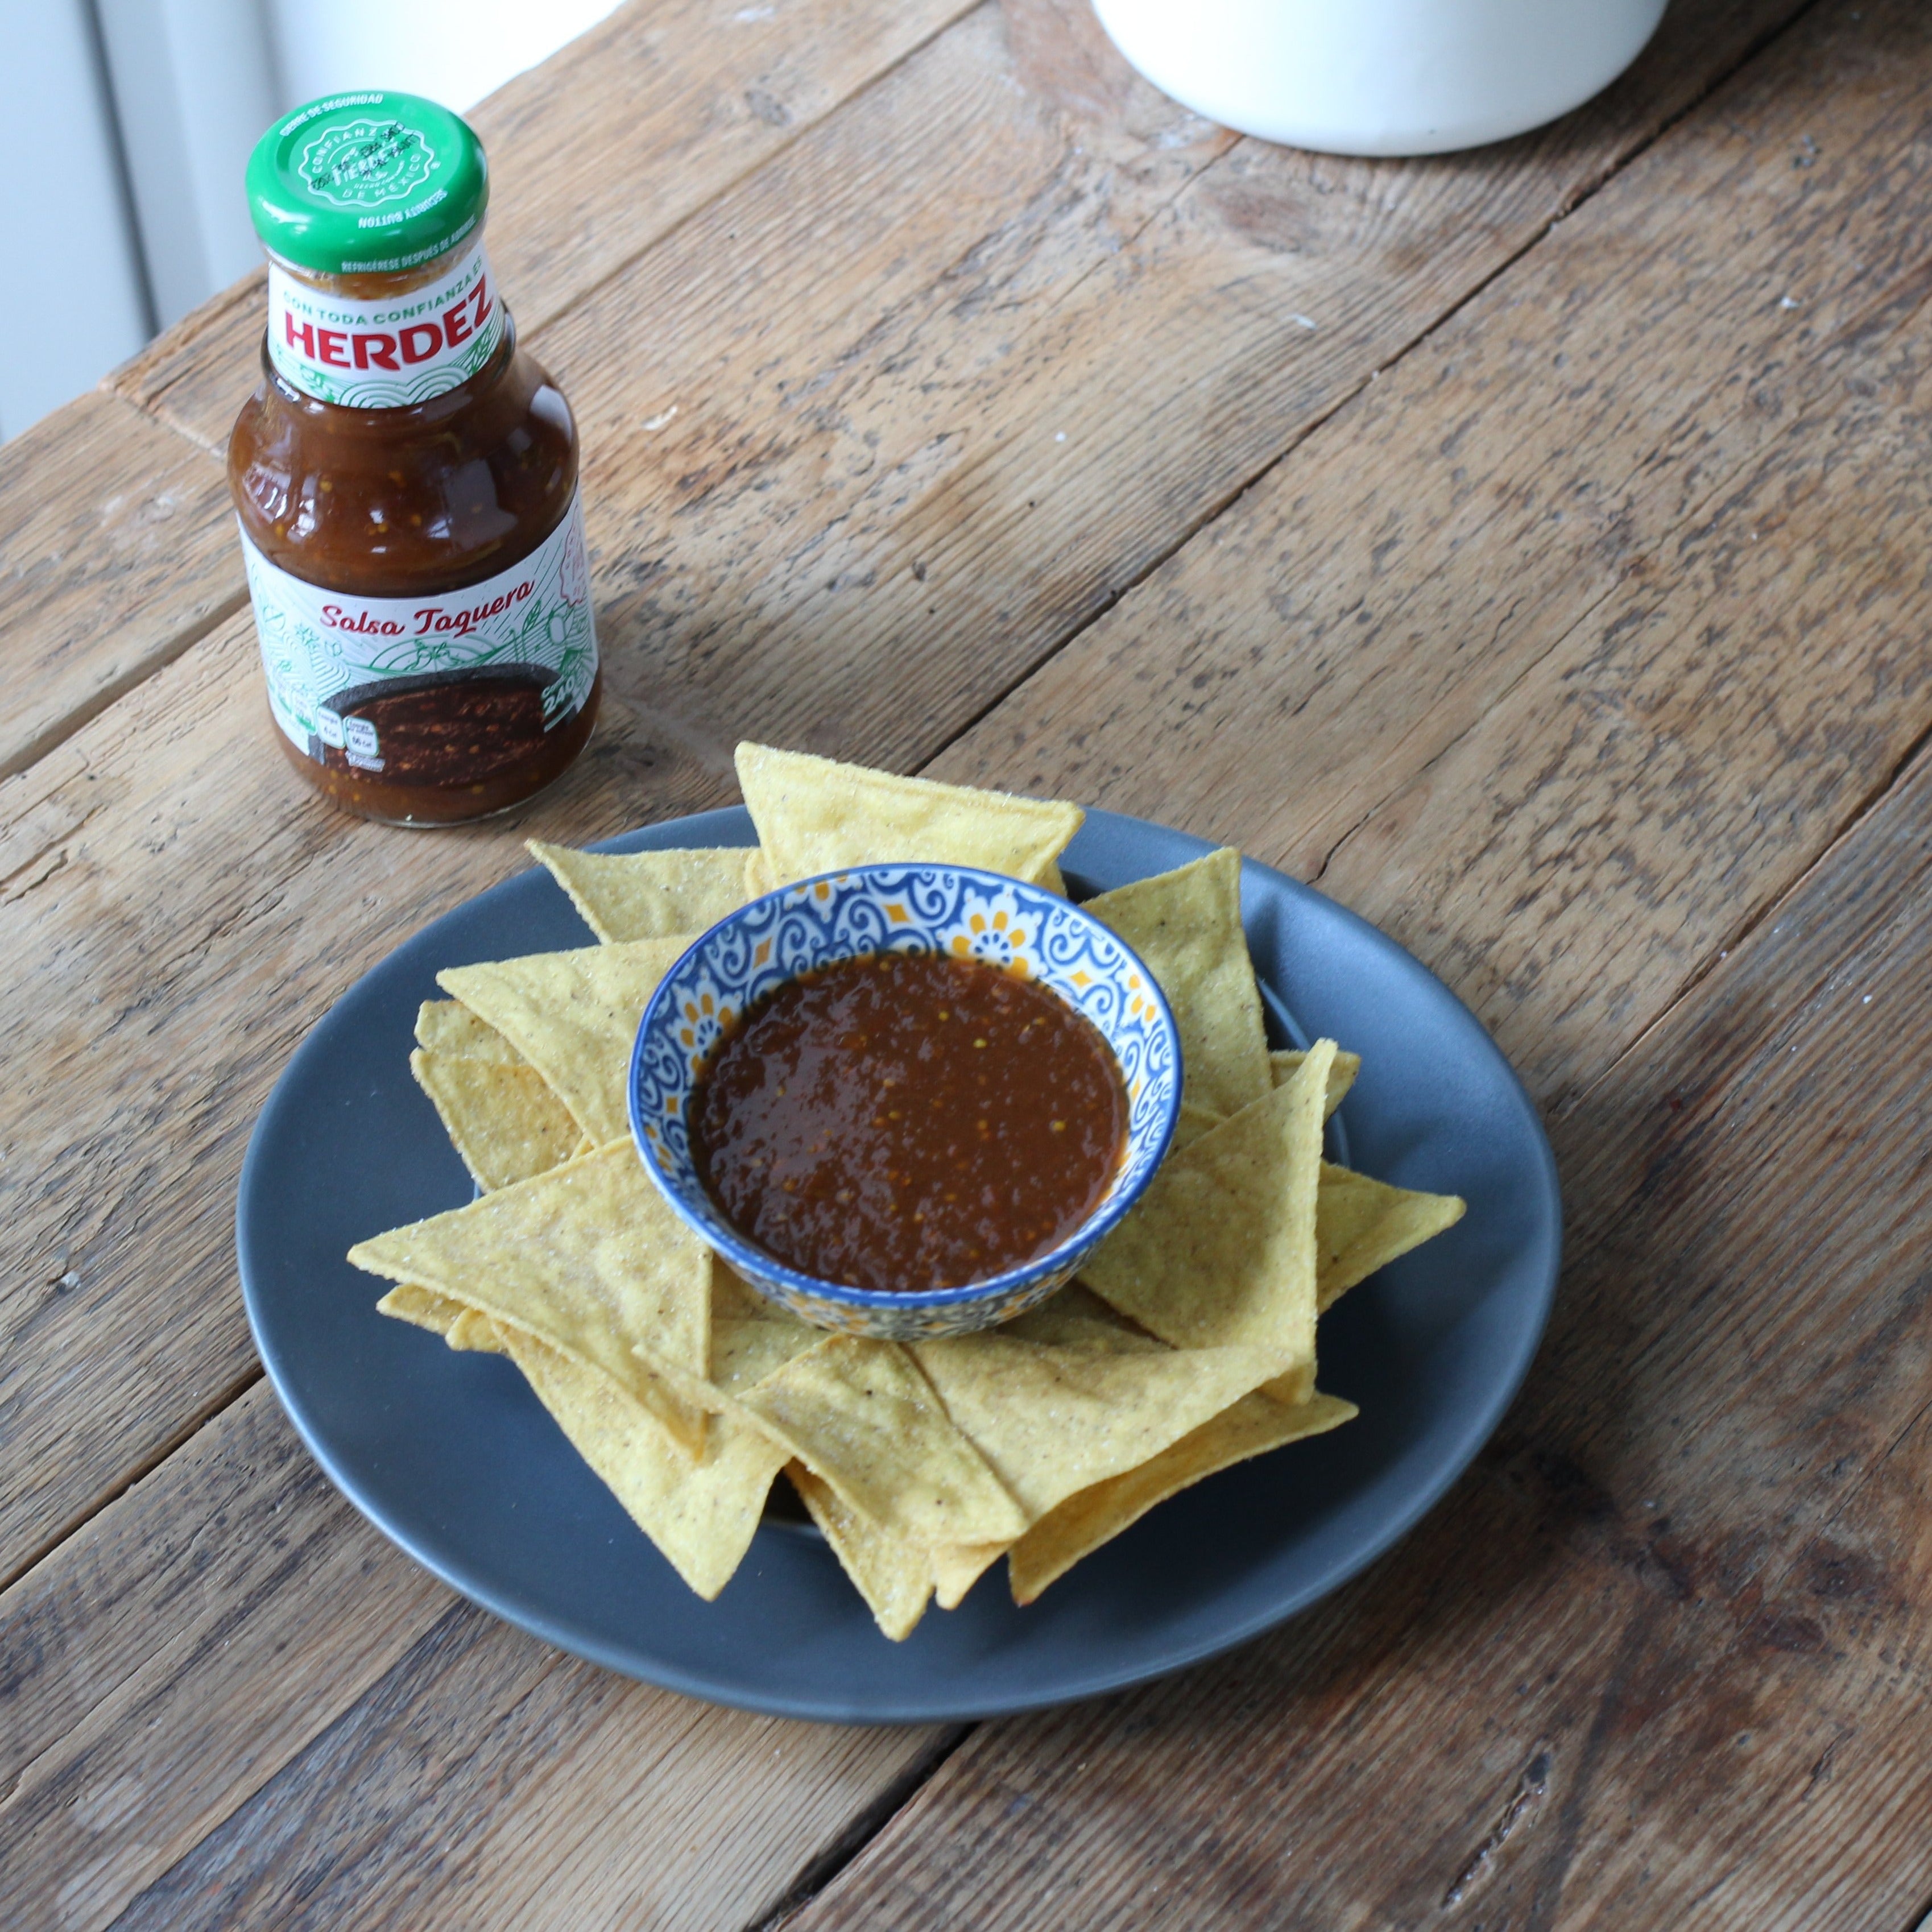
{"points": [[72, 300], [130, 121], [455, 51], [194, 83]]}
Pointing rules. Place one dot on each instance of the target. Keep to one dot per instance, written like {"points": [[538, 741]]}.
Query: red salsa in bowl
{"points": [[909, 1121]]}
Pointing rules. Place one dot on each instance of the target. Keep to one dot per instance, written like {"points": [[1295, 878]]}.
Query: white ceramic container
{"points": [[1381, 77]]}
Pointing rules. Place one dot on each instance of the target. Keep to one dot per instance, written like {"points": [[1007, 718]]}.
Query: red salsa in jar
{"points": [[407, 480]]}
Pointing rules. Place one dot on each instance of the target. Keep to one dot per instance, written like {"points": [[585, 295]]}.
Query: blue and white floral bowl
{"points": [[903, 908]]}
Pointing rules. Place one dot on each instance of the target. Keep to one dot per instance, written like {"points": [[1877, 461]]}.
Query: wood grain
{"points": [[779, 452], [214, 980], [229, 1640], [1598, 616], [1665, 1658], [1070, 327], [605, 146], [117, 550], [858, 530]]}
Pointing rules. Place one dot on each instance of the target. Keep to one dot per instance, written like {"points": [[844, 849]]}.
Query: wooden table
{"points": [[1532, 548]]}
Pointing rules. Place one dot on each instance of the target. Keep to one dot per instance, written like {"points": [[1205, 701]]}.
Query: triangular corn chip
{"points": [[700, 1513], [574, 1016], [814, 816], [1361, 1225], [860, 1416], [957, 1567], [648, 895], [1191, 1124], [448, 1027], [1051, 1420], [1194, 1119], [1220, 1251], [1186, 925], [892, 1574], [474, 1330], [500, 1115], [734, 1299], [586, 1258], [1094, 1516], [1286, 1064], [422, 1307], [743, 1354], [1076, 1317]]}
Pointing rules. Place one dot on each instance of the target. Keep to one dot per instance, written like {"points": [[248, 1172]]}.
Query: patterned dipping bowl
{"points": [[902, 908]]}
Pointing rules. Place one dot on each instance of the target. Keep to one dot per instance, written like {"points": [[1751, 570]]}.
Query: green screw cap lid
{"points": [[364, 183]]}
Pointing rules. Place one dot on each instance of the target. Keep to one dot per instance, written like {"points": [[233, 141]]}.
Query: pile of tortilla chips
{"points": [[1189, 1345]]}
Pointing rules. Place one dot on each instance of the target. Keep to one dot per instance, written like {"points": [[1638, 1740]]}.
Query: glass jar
{"points": [[407, 480]]}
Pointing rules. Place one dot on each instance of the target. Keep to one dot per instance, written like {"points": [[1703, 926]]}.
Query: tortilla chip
{"points": [[1187, 925], [1077, 1318], [743, 1354], [892, 1575], [814, 816], [733, 1298], [1075, 1321], [957, 1567], [474, 1332], [574, 1016], [700, 1513], [1191, 1124], [1085, 1521], [1053, 1419], [422, 1307], [1220, 1251], [500, 1115], [1286, 1065], [461, 1326], [648, 895], [1361, 1225], [448, 1027], [859, 1415], [589, 1259]]}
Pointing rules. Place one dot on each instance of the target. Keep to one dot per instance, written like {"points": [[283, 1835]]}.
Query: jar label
{"points": [[379, 684], [384, 354]]}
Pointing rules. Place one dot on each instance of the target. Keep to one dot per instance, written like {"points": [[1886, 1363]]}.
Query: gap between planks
{"points": [[1919, 750], [224, 1398], [84, 714], [864, 1829], [800, 129]]}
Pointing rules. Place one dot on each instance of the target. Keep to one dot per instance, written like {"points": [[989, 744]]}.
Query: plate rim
{"points": [[725, 826]]}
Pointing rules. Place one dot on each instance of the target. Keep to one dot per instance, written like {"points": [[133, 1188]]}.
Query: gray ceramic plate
{"points": [[452, 1457]]}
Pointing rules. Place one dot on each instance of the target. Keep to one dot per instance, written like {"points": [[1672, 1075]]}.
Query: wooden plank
{"points": [[1560, 652], [117, 551], [733, 632], [230, 1640], [1665, 1658], [607, 145], [1018, 398]]}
